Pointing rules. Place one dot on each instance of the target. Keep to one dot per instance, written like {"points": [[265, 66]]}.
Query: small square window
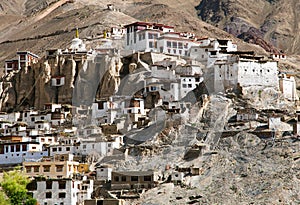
{"points": [[62, 195], [48, 195]]}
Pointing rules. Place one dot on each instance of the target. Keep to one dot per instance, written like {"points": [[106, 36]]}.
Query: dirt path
{"points": [[5, 35], [47, 11]]}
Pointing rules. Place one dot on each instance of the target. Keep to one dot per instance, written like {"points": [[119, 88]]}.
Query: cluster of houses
{"points": [[56, 149]]}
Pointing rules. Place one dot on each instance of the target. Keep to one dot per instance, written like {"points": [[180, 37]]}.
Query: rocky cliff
{"points": [[270, 24], [86, 77]]}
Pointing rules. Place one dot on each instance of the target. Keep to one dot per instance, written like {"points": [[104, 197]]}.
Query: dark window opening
{"points": [[134, 178]]}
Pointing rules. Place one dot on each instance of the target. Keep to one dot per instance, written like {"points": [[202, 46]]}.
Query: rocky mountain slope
{"points": [[270, 23], [38, 25]]}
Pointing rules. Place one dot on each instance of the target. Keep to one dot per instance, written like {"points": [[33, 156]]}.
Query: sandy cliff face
{"points": [[84, 77]]}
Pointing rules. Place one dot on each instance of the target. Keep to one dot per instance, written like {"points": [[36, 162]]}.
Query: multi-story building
{"points": [[134, 179], [23, 61], [142, 36], [61, 191], [242, 70], [59, 166], [15, 152]]}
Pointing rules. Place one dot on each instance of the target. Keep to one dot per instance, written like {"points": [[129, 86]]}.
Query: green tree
{"points": [[3, 199], [14, 186]]}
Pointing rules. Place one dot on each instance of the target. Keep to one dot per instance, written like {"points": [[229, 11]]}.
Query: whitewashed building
{"points": [[176, 43], [287, 86], [17, 152], [142, 36], [103, 173], [61, 191], [243, 71], [99, 144]]}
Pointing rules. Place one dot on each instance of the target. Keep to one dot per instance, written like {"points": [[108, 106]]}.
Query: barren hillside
{"points": [[37, 25], [275, 21]]}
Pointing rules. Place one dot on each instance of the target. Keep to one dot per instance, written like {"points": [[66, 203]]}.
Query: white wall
{"points": [[103, 173]]}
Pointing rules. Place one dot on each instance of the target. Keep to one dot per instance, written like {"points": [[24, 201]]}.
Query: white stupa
{"points": [[77, 44]]}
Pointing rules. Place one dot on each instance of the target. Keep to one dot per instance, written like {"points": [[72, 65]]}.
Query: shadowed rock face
{"points": [[268, 23]]}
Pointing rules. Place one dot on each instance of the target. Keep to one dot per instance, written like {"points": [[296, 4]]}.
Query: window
{"points": [[147, 178], [59, 149], [151, 44], [180, 46], [189, 85], [59, 168], [28, 169], [134, 178], [62, 184], [32, 119], [54, 149], [67, 148], [48, 195], [84, 146], [168, 44], [62, 195], [174, 45], [134, 37], [46, 168], [12, 148], [123, 178], [184, 85], [49, 184], [1, 149], [116, 178], [36, 169], [24, 147]]}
